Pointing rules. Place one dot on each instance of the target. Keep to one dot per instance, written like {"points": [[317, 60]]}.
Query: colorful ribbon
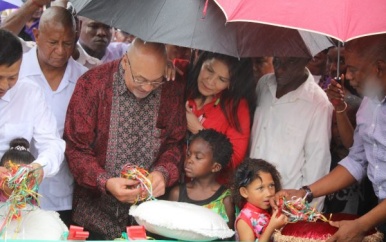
{"points": [[141, 175], [23, 181], [298, 209]]}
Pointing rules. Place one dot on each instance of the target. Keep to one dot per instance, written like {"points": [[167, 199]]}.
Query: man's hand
{"points": [[335, 94], [124, 190], [158, 182], [349, 231], [289, 193]]}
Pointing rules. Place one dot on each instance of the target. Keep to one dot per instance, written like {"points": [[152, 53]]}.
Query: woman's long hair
{"points": [[242, 85]]}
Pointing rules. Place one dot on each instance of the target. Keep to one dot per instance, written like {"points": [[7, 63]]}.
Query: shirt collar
{"points": [[376, 100], [256, 209], [7, 96], [304, 91], [85, 58], [10, 93], [33, 67]]}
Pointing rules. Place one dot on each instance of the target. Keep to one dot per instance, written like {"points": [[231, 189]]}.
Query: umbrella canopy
{"points": [[9, 4], [201, 25], [341, 19]]}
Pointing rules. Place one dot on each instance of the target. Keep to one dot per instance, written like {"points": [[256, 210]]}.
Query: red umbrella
{"points": [[341, 19]]}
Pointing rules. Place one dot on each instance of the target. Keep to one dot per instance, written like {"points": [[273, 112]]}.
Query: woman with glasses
{"points": [[221, 96]]}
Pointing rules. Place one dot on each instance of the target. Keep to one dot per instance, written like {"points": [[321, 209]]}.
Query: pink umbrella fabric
{"points": [[343, 20]]}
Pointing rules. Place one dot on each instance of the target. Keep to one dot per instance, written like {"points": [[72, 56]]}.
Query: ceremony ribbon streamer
{"points": [[141, 175], [298, 209], [24, 184]]}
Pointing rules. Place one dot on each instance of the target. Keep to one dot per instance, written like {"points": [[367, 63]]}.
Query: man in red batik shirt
{"points": [[123, 112]]}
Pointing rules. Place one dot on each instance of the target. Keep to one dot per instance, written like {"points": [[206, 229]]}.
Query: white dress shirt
{"points": [[56, 191], [85, 59], [317, 79], [114, 51], [25, 113], [293, 132]]}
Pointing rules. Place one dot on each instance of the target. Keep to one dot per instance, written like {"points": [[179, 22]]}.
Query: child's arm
{"points": [[230, 210], [244, 231], [274, 223], [174, 193]]}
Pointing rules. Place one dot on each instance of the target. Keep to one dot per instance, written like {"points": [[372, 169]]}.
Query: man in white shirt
{"points": [[24, 112], [95, 38], [51, 66], [17, 20], [292, 124]]}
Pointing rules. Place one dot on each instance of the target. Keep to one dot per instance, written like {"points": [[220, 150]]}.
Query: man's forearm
{"points": [[336, 180], [16, 21]]}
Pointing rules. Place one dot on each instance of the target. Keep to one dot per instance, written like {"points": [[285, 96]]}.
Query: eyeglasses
{"points": [[144, 82]]}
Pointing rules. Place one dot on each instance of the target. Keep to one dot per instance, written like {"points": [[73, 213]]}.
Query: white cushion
{"points": [[35, 224], [182, 221]]}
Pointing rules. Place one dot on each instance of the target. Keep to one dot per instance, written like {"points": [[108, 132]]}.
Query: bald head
{"points": [[55, 38], [57, 16], [151, 49], [146, 63]]}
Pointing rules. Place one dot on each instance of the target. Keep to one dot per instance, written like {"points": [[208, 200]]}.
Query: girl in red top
{"points": [[221, 96], [255, 182]]}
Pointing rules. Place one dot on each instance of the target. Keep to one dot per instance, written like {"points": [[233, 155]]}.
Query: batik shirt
{"points": [[107, 127]]}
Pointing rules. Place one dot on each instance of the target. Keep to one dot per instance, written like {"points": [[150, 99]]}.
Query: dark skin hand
{"points": [[335, 93], [16, 21], [336, 180]]}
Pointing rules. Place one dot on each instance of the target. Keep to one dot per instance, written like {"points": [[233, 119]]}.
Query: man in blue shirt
{"points": [[366, 69]]}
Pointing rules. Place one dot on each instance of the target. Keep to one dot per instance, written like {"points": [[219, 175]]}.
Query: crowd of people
{"points": [[80, 100]]}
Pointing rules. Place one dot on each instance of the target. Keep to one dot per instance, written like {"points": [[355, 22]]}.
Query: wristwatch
{"points": [[309, 195]]}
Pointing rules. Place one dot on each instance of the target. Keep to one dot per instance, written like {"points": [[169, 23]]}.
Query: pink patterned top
{"points": [[3, 197], [255, 217]]}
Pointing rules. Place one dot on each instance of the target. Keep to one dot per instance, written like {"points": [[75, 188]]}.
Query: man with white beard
{"points": [[366, 67]]}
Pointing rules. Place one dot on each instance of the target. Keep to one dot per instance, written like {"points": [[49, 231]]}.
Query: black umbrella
{"points": [[200, 24]]}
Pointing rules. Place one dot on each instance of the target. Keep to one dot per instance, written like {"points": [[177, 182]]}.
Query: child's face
{"points": [[258, 192], [199, 159]]}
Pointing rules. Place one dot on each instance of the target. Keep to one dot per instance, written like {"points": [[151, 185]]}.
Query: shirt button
{"points": [[376, 167], [375, 145], [372, 125]]}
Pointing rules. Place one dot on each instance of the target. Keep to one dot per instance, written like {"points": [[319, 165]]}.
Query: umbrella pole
{"points": [[338, 63]]}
